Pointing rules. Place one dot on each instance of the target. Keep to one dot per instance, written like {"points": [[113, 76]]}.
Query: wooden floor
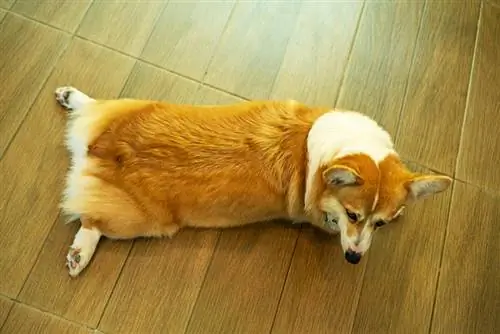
{"points": [[429, 71]]}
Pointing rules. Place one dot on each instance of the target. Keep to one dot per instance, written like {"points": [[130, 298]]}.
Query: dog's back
{"points": [[152, 165]]}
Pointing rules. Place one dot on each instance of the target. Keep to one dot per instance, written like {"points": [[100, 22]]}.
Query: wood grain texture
{"points": [[401, 273], [5, 306], [480, 148], [317, 53], [162, 277], [186, 34], [26, 320], [468, 297], [377, 74], [243, 284], [50, 288], [438, 85], [149, 82], [210, 96], [248, 57], [29, 53], [121, 25], [63, 14], [33, 170], [6, 3], [322, 289]]}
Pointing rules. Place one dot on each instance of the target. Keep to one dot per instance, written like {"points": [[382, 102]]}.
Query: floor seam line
{"points": [[349, 54], [40, 90], [469, 89], [57, 316], [292, 31], [203, 282], [155, 24], [38, 254], [453, 194], [410, 69], [127, 259], [217, 44], [287, 275]]}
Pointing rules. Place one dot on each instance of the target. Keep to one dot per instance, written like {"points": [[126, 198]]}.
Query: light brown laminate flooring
{"points": [[428, 71]]}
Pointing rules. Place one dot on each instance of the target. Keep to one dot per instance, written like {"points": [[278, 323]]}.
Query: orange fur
{"points": [[148, 168], [155, 167]]}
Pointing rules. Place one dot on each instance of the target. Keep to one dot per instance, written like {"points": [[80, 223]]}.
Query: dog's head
{"points": [[355, 181], [360, 196]]}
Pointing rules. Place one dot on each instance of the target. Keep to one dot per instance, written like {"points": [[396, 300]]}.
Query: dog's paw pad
{"points": [[74, 261], [63, 95]]}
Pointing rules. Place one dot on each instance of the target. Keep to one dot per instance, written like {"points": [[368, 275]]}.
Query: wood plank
{"points": [[159, 284], [50, 288], [63, 14], [468, 294], [244, 282], [6, 3], [160, 270], [25, 320], [377, 73], [210, 96], [480, 148], [402, 269], [33, 171], [121, 25], [5, 306], [438, 85], [321, 290], [248, 57], [186, 35], [29, 53], [310, 295], [317, 53], [149, 82]]}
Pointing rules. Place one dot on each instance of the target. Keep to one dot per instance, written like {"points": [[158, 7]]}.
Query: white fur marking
{"points": [[77, 139], [339, 133], [82, 250], [71, 98]]}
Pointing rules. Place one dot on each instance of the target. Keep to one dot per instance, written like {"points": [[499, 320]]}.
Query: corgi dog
{"points": [[148, 168]]}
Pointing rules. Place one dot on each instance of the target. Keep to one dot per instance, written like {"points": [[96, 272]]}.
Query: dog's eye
{"points": [[352, 216], [380, 223]]}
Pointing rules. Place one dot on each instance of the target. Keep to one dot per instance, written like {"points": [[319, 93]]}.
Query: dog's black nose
{"points": [[352, 257]]}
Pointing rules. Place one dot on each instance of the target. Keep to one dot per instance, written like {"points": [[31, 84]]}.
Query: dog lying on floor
{"points": [[149, 168]]}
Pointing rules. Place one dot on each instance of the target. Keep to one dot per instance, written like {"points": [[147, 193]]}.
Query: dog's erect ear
{"points": [[425, 185], [339, 175]]}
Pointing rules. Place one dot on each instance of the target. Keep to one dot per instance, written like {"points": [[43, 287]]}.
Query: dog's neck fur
{"points": [[339, 133]]}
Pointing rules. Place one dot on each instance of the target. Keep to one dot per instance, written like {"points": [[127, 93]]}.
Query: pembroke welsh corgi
{"points": [[149, 168]]}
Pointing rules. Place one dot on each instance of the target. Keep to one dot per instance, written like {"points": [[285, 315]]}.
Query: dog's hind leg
{"points": [[71, 98], [83, 247]]}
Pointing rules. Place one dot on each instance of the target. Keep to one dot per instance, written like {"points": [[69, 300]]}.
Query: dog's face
{"points": [[361, 197]]}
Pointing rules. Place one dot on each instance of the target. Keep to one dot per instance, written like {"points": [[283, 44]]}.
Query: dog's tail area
{"points": [[116, 212]]}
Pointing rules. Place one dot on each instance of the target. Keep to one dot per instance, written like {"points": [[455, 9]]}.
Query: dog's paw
{"points": [[81, 251], [76, 261], [71, 98]]}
